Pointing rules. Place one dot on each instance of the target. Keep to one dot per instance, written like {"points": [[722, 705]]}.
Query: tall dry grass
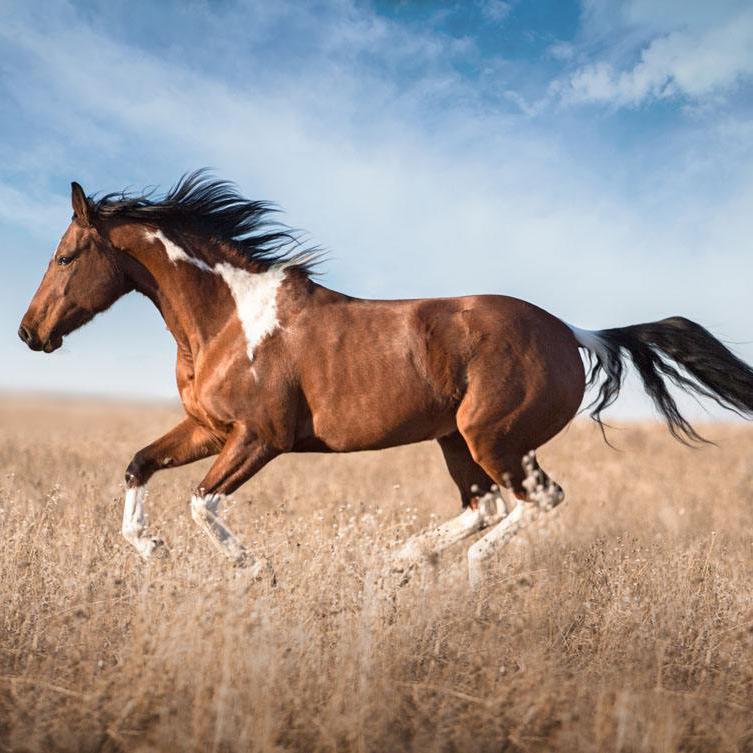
{"points": [[628, 627]]}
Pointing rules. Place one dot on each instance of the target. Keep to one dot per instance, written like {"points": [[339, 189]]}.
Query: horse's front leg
{"points": [[242, 456], [187, 442]]}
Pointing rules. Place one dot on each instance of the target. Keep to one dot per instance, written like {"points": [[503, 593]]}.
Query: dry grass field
{"points": [[626, 626]]}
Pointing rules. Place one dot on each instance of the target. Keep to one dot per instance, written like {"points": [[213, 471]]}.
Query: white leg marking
{"points": [[523, 514], [429, 544], [134, 523], [544, 495], [204, 511]]}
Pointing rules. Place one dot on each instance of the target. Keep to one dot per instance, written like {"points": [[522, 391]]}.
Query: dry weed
{"points": [[627, 627]]}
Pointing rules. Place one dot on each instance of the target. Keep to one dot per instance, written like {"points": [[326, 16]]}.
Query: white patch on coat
{"points": [[254, 293], [590, 340], [174, 252], [255, 296]]}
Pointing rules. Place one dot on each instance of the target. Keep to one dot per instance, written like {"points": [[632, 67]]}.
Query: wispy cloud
{"points": [[495, 10], [705, 55]]}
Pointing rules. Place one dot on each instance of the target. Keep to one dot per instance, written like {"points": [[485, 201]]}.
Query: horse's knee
{"points": [[139, 470]]}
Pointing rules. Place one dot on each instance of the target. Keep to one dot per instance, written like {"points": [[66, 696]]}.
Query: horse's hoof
{"points": [[152, 549], [159, 550]]}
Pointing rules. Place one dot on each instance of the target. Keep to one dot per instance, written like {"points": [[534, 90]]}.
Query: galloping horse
{"points": [[269, 361]]}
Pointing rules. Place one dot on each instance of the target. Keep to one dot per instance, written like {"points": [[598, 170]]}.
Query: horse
{"points": [[269, 361]]}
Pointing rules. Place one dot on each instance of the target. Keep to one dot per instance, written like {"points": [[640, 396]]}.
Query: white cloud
{"points": [[706, 55], [562, 51], [495, 10]]}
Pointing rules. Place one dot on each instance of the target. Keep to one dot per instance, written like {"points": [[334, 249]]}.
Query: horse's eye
{"points": [[64, 261]]}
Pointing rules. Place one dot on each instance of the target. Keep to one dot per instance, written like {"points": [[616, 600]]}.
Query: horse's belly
{"points": [[363, 424]]}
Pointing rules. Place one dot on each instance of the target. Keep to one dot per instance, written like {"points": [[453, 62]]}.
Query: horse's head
{"points": [[82, 279]]}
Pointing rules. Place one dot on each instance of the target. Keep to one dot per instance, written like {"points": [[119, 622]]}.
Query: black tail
{"points": [[709, 369]]}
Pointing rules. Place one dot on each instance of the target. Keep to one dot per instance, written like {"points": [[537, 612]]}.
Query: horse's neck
{"points": [[188, 293], [197, 297]]}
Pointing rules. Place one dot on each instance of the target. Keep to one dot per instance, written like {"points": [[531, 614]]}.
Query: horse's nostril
{"points": [[29, 338], [24, 334]]}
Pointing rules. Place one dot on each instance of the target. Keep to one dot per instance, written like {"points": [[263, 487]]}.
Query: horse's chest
{"points": [[193, 403], [227, 389], [200, 388], [207, 398]]}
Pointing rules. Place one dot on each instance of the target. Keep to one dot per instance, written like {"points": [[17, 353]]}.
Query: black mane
{"points": [[214, 207]]}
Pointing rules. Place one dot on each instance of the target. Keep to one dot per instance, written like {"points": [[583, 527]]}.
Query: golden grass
{"points": [[628, 627]]}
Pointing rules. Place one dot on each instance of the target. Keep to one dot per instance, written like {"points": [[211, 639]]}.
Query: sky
{"points": [[593, 157]]}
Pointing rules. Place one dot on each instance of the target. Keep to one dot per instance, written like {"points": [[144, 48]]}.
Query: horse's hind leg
{"points": [[471, 479], [479, 507], [536, 494]]}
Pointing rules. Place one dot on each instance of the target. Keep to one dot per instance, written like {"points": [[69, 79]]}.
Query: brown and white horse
{"points": [[270, 362]]}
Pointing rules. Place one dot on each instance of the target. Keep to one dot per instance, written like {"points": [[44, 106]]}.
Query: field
{"points": [[627, 625]]}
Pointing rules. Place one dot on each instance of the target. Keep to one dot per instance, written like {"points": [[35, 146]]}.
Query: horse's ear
{"points": [[81, 207]]}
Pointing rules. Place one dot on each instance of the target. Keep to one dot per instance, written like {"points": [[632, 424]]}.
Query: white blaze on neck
{"points": [[174, 252], [255, 296], [254, 293]]}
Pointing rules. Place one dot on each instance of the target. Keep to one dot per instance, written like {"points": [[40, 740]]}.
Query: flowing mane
{"points": [[214, 207]]}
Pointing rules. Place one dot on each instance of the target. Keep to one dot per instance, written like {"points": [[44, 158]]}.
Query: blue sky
{"points": [[593, 157]]}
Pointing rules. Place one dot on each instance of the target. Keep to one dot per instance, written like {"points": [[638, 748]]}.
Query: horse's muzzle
{"points": [[29, 338], [33, 341]]}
